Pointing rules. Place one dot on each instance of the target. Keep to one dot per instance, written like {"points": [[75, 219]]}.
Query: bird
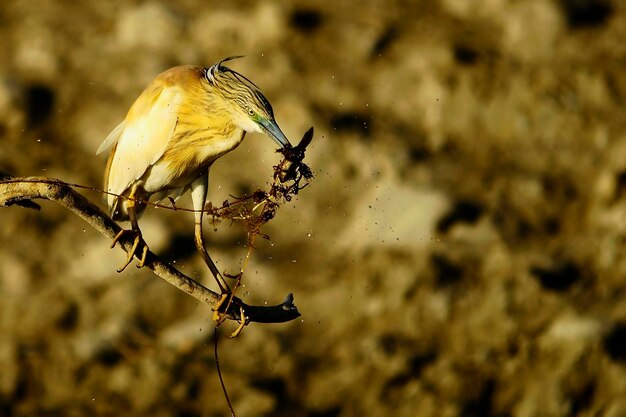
{"points": [[184, 120]]}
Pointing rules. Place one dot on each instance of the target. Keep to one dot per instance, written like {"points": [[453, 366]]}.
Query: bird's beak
{"points": [[272, 130]]}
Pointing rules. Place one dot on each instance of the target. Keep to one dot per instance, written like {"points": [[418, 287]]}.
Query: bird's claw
{"points": [[133, 251], [219, 316], [243, 322]]}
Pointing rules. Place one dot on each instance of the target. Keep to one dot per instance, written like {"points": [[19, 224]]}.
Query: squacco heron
{"points": [[184, 120]]}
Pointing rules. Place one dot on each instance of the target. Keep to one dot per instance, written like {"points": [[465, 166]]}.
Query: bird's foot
{"points": [[220, 314], [243, 322], [133, 251]]}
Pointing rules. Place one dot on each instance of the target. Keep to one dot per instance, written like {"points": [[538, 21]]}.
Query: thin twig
{"points": [[219, 373]]}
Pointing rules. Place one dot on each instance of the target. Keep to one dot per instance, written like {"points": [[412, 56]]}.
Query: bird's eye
{"points": [[251, 112]]}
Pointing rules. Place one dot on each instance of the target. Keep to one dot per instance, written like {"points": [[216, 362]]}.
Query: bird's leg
{"points": [[132, 214], [138, 237], [199, 190], [199, 241], [218, 315]]}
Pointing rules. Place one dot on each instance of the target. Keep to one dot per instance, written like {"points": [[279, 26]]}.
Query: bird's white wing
{"points": [[143, 136]]}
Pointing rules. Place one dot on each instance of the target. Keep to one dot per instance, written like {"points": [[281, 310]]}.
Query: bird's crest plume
{"points": [[213, 73]]}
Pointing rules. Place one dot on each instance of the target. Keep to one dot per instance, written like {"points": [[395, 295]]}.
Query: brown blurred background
{"points": [[460, 252]]}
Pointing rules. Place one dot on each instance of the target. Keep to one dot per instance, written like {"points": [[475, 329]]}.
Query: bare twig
{"points": [[20, 191]]}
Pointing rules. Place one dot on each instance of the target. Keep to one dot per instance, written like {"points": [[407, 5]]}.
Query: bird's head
{"points": [[245, 102]]}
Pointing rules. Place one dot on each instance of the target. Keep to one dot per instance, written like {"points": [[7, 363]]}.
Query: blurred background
{"points": [[459, 253]]}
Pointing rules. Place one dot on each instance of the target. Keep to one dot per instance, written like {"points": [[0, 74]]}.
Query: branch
{"points": [[20, 191]]}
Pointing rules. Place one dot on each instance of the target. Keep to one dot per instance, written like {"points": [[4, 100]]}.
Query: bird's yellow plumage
{"points": [[184, 120]]}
